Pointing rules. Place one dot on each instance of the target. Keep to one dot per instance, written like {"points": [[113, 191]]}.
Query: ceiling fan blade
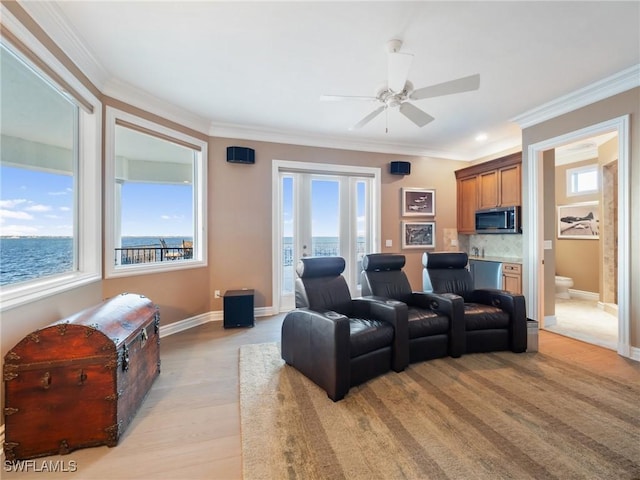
{"points": [[464, 84], [339, 98], [369, 117], [398, 65], [416, 115]]}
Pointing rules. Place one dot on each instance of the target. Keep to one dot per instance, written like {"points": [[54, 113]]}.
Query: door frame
{"points": [[534, 223], [278, 166]]}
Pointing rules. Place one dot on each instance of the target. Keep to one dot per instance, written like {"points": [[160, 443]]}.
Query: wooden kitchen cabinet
{"points": [[510, 188], [467, 204], [496, 183], [488, 189], [512, 277]]}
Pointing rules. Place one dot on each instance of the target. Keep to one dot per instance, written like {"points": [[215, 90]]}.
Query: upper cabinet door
{"points": [[489, 197], [510, 188], [467, 204]]}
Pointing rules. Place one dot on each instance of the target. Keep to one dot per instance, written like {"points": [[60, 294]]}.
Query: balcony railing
{"points": [[321, 248], [151, 254]]}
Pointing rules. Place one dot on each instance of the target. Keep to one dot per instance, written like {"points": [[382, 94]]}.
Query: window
{"points": [[582, 180], [155, 208], [49, 206]]}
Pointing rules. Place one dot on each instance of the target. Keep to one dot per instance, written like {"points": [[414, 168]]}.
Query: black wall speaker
{"points": [[400, 168], [241, 155]]}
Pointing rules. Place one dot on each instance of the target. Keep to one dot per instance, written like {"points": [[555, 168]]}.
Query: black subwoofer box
{"points": [[238, 309]]}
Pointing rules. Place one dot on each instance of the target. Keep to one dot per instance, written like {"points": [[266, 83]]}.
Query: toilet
{"points": [[563, 284]]}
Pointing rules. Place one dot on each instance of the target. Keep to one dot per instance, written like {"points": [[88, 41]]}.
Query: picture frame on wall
{"points": [[418, 234], [418, 202], [579, 221]]}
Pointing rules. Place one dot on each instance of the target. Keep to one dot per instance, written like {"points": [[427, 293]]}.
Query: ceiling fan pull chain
{"points": [[386, 120]]}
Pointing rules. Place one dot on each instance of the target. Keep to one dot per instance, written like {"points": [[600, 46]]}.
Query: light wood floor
{"points": [[189, 425]]}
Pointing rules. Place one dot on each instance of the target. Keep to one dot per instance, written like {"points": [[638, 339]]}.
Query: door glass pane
{"points": [[287, 272], [361, 226], [325, 217]]}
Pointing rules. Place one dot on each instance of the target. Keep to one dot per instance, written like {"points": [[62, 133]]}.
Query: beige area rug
{"points": [[482, 416]]}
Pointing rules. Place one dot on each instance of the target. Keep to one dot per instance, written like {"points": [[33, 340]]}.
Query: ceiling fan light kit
{"points": [[399, 90]]}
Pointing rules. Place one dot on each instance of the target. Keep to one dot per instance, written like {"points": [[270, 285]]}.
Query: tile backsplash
{"points": [[507, 245]]}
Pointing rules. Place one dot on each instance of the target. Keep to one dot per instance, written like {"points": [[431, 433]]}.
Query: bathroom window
{"points": [[582, 180]]}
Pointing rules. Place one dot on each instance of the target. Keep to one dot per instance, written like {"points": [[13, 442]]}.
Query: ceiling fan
{"points": [[399, 90]]}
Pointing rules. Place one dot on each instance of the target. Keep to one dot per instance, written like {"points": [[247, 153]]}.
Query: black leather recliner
{"points": [[436, 323], [494, 319], [336, 341]]}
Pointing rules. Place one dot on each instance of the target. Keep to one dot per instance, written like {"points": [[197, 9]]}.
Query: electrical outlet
{"points": [[216, 294]]}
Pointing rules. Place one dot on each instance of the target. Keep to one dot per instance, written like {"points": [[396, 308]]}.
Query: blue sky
{"points": [[324, 205], [37, 203], [157, 210]]}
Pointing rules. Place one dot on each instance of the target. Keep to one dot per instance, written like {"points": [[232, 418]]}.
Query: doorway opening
{"points": [[585, 241], [541, 241]]}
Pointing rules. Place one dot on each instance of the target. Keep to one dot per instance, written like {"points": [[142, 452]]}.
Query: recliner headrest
{"points": [[382, 261], [309, 267], [444, 260]]}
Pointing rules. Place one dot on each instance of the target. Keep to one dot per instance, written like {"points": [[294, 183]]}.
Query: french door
{"points": [[322, 212]]}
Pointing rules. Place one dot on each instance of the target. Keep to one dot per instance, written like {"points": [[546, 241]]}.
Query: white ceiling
{"points": [[257, 70]]}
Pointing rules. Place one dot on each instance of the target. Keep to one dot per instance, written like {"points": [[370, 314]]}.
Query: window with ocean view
{"points": [[155, 207], [49, 207], [37, 172]]}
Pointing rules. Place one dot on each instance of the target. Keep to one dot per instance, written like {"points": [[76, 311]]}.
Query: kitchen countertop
{"points": [[497, 259]]}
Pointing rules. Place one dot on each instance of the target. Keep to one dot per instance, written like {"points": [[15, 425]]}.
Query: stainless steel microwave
{"points": [[498, 220]]}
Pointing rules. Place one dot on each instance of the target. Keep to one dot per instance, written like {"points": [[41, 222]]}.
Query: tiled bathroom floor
{"points": [[583, 320]]}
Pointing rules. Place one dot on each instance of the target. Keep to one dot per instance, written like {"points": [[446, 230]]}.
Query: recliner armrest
{"points": [[514, 305], [494, 297], [318, 344], [449, 305], [393, 312]]}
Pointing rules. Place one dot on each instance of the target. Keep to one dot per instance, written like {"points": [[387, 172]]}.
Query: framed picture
{"points": [[418, 202], [418, 235], [579, 220]]}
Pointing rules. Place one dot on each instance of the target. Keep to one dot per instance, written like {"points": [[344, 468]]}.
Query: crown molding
{"points": [[143, 100], [612, 85], [258, 134], [506, 146], [51, 19]]}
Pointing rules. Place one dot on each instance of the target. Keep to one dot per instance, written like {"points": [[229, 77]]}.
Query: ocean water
{"points": [[28, 258], [24, 258]]}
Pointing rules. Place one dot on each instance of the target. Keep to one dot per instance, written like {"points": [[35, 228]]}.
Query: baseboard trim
{"points": [[584, 295], [550, 321], [611, 308], [213, 316]]}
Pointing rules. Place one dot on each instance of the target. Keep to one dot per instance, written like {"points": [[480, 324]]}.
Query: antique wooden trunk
{"points": [[79, 381]]}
